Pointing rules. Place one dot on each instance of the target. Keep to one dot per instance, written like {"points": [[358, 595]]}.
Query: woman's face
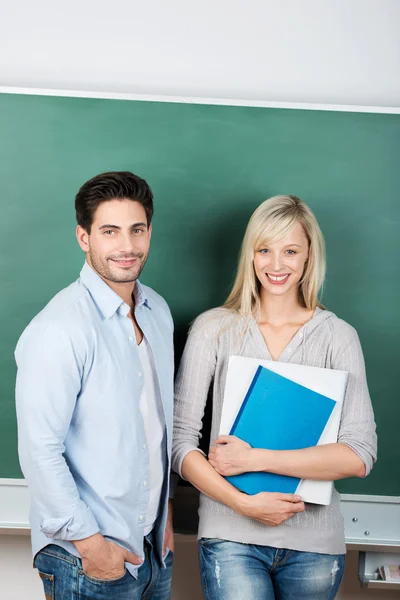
{"points": [[280, 266]]}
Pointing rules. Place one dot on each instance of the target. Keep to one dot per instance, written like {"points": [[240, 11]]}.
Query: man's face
{"points": [[119, 240]]}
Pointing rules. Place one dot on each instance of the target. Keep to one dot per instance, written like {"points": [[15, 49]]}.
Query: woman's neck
{"points": [[278, 310]]}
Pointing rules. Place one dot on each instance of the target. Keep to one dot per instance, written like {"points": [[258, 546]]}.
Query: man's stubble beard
{"points": [[104, 270]]}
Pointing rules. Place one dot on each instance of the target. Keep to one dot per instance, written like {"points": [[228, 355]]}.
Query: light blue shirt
{"points": [[82, 445]]}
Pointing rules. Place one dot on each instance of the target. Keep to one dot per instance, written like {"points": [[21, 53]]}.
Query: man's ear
{"points": [[83, 238]]}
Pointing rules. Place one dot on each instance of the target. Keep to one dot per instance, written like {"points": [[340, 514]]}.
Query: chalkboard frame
{"points": [[206, 101]]}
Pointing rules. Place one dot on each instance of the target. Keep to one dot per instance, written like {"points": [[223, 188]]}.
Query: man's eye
{"points": [[109, 231], [138, 231]]}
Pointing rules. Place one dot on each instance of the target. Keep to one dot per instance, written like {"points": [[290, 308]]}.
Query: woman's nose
{"points": [[276, 262]]}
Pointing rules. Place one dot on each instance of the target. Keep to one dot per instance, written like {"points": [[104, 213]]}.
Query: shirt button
{"points": [[130, 338], [144, 446], [144, 483], [141, 517], [139, 374], [289, 349], [300, 335]]}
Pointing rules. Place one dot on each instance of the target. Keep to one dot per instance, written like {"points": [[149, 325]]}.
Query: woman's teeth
{"points": [[277, 277]]}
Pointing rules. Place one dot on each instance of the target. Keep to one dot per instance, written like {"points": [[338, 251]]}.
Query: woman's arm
{"points": [[192, 385], [352, 456], [330, 462], [268, 508]]}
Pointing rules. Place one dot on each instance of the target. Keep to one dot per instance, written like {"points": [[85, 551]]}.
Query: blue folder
{"points": [[278, 414]]}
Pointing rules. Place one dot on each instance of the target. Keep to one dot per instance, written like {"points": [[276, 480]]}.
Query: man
{"points": [[94, 406]]}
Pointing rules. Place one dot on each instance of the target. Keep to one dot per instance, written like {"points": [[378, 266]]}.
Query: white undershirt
{"points": [[154, 427]]}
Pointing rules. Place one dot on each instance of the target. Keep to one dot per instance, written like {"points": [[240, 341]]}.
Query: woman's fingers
{"points": [[225, 439], [288, 497]]}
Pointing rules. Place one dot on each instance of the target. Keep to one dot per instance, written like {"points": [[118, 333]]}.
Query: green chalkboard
{"points": [[209, 167]]}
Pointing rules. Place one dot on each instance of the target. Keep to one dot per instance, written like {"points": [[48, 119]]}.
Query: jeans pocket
{"points": [[104, 581], [48, 584], [209, 541]]}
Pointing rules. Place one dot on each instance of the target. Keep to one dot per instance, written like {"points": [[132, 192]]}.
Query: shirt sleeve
{"points": [[192, 384], [48, 384], [357, 427]]}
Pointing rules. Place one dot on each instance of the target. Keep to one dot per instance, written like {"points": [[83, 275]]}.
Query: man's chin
{"points": [[117, 274], [124, 277]]}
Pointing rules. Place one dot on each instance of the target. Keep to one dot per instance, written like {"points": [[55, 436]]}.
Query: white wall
{"points": [[330, 51], [333, 51]]}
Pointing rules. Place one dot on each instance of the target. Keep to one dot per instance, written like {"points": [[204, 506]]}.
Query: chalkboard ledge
{"points": [[371, 522]]}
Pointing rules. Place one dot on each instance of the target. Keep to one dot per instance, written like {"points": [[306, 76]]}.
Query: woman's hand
{"points": [[271, 508], [231, 456]]}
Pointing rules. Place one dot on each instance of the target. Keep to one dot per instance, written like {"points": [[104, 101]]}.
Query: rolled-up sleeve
{"points": [[192, 384], [47, 388], [357, 428]]}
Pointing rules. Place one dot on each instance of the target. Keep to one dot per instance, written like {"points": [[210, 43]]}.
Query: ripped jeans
{"points": [[234, 571]]}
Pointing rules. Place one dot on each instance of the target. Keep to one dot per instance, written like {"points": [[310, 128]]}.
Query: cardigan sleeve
{"points": [[357, 428], [192, 384]]}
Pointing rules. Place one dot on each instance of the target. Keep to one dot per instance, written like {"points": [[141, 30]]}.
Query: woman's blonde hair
{"points": [[270, 222]]}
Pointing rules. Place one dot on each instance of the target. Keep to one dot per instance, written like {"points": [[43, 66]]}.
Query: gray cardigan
{"points": [[325, 341]]}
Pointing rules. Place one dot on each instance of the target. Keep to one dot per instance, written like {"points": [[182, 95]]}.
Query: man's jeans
{"points": [[233, 571], [64, 579]]}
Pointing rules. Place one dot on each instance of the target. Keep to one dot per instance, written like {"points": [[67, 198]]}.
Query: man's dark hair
{"points": [[115, 185]]}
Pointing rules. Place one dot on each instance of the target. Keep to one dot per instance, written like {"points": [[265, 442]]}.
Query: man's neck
{"points": [[123, 290]]}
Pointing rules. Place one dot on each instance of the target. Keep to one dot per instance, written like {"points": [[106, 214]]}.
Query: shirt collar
{"points": [[140, 296], [106, 300]]}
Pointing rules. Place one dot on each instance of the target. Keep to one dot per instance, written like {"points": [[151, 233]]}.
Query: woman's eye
{"points": [[291, 251], [263, 250]]}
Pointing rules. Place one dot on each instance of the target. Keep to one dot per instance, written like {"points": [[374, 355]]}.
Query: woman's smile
{"points": [[278, 279]]}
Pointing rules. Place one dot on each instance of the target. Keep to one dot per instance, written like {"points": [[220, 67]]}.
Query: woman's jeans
{"points": [[233, 571], [64, 579]]}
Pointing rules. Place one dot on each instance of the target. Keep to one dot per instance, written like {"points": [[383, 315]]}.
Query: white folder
{"points": [[328, 382]]}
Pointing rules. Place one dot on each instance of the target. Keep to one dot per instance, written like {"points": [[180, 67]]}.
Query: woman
{"points": [[271, 545]]}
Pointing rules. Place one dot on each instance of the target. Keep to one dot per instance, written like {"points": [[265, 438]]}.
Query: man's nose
{"points": [[127, 244]]}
